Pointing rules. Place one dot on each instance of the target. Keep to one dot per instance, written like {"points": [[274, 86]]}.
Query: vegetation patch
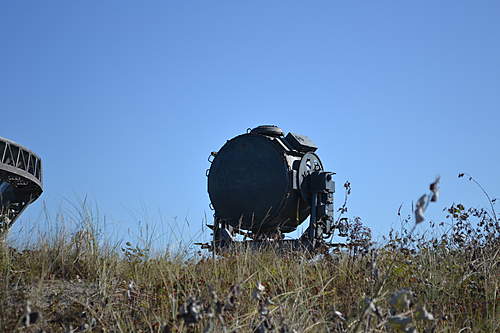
{"points": [[447, 282]]}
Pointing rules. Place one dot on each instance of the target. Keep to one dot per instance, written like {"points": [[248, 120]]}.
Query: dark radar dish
{"points": [[263, 184], [20, 181]]}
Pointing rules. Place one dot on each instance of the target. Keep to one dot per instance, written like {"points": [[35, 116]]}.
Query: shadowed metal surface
{"points": [[263, 184], [254, 179], [20, 181], [249, 180]]}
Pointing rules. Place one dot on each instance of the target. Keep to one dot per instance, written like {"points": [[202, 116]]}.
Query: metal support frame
{"points": [[21, 172], [320, 187]]}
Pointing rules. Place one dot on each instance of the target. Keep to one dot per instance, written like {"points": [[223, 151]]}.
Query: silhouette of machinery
{"points": [[20, 181], [263, 184]]}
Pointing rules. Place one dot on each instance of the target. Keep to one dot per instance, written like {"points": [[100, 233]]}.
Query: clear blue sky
{"points": [[124, 100]]}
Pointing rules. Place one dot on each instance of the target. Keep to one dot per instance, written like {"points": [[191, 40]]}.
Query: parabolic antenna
{"points": [[20, 181]]}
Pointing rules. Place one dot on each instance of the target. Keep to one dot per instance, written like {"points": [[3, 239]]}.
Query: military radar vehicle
{"points": [[20, 181], [263, 184]]}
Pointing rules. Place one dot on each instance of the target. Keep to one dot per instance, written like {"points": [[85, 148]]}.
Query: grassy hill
{"points": [[411, 283]]}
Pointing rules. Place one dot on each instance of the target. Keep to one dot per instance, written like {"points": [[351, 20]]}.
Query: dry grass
{"points": [[75, 283], [102, 290]]}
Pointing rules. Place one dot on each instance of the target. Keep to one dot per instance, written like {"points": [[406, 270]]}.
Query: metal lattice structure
{"points": [[20, 181]]}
